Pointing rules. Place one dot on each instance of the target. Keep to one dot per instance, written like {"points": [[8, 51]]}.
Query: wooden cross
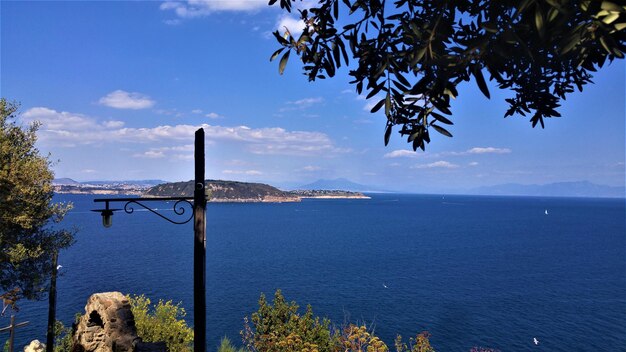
{"points": [[11, 329]]}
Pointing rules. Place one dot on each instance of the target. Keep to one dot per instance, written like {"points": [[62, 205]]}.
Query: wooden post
{"points": [[12, 333], [11, 329], [52, 304], [199, 247]]}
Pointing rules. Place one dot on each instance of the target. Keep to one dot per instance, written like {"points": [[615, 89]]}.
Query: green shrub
{"points": [[62, 337], [279, 328], [162, 323], [227, 346]]}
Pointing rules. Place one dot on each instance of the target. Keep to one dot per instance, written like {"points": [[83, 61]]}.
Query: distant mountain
{"points": [[64, 182], [339, 184], [559, 189]]}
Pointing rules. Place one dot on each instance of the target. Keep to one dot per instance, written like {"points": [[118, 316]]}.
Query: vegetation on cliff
{"points": [[279, 327], [162, 322], [224, 191]]}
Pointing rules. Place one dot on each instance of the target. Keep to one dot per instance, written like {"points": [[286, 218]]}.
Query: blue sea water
{"points": [[473, 271]]}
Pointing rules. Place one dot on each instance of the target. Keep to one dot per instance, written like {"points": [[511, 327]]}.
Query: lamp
{"points": [[107, 214]]}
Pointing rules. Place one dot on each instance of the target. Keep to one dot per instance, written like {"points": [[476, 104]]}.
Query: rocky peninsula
{"points": [[245, 192]]}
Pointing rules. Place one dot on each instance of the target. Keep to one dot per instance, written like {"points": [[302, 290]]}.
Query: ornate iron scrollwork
{"points": [[181, 206], [178, 210]]}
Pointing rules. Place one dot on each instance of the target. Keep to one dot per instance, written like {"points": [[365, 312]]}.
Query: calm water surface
{"points": [[473, 271]]}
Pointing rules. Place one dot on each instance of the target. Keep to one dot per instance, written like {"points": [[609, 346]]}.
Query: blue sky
{"points": [[120, 87]]}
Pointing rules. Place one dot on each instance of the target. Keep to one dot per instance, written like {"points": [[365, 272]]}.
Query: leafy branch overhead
{"points": [[414, 54]]}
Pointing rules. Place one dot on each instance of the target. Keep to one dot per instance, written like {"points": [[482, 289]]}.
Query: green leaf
{"points": [[283, 62], [275, 54], [416, 144], [605, 45], [610, 18], [388, 105], [375, 90], [378, 105], [620, 26], [609, 6], [439, 117], [402, 80], [480, 80], [280, 38], [387, 134], [441, 130], [539, 20]]}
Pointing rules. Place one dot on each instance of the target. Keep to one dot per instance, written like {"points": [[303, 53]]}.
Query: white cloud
{"points": [[242, 172], [437, 164], [213, 115], [168, 112], [76, 129], [294, 25], [488, 150], [200, 8], [184, 157], [88, 171], [196, 111], [113, 124], [173, 153], [473, 163], [370, 104], [401, 153], [302, 104], [60, 122], [310, 168], [151, 154], [120, 99]]}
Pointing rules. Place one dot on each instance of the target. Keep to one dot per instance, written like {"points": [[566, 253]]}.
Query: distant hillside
{"points": [[64, 181], [339, 184], [224, 191], [126, 182], [560, 189], [70, 182]]}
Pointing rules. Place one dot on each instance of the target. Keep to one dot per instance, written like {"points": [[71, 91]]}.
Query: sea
{"points": [[471, 270]]}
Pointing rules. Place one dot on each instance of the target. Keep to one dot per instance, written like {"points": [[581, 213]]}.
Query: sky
{"points": [[120, 87]]}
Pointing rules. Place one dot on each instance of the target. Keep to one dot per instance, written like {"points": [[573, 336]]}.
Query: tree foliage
{"points": [[278, 327], [163, 322], [27, 214], [412, 55]]}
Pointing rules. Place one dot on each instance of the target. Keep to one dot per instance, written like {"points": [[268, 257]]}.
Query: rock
{"points": [[107, 326], [35, 346]]}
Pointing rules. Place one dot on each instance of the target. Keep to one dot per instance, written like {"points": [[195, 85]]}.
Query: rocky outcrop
{"points": [[107, 326], [35, 346]]}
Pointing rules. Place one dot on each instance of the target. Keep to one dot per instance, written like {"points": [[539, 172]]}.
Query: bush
{"points": [[163, 322], [279, 328], [227, 346], [63, 337]]}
